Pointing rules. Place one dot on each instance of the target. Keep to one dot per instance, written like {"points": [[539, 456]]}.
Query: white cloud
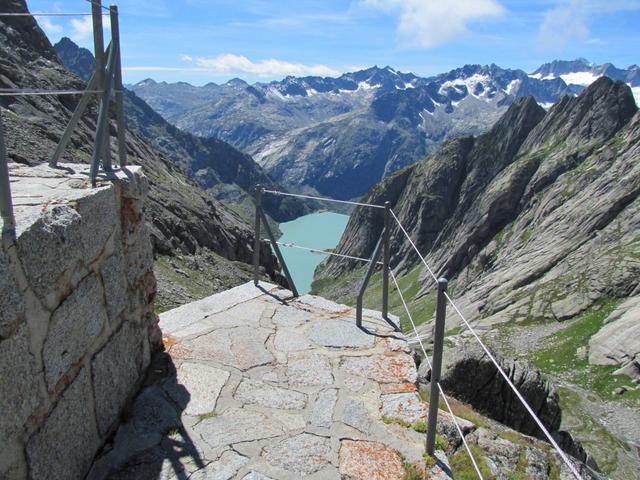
{"points": [[427, 23], [563, 24], [82, 29], [50, 28], [230, 64]]}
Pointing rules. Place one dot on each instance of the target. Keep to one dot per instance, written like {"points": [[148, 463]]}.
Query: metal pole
{"points": [[98, 51], [365, 280], [6, 204], [102, 123], [115, 40], [385, 261], [75, 118], [436, 364], [274, 244], [256, 239]]}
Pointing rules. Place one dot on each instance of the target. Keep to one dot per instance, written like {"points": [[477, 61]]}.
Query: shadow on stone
{"points": [[151, 442]]}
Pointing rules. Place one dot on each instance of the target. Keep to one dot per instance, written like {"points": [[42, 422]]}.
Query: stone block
{"points": [[303, 454], [322, 413], [100, 214], [115, 285], [50, 247], [196, 387], [18, 384], [115, 375], [74, 326], [370, 460], [12, 305], [138, 256], [66, 443]]}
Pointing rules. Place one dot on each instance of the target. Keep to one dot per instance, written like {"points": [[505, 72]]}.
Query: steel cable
{"points": [[426, 357]]}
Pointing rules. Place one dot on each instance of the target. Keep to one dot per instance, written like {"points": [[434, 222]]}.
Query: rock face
{"points": [[215, 165], [538, 218], [470, 376], [180, 215], [71, 353], [618, 342]]}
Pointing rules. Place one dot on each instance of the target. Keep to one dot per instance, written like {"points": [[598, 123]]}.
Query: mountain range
{"points": [[340, 136], [220, 169], [536, 224]]}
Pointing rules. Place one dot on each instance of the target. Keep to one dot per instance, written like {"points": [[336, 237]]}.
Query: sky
{"points": [[201, 41]]}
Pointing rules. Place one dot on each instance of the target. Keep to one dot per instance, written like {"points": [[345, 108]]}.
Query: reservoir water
{"points": [[321, 230]]}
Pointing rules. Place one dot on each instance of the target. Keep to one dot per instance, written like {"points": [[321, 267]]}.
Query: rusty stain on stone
{"points": [[362, 460]]}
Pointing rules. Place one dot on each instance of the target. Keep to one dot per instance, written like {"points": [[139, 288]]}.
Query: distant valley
{"points": [[340, 136]]}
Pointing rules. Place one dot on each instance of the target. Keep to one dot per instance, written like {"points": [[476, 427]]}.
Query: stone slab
{"points": [[286, 316], [237, 425], [303, 454], [362, 460], [269, 396], [356, 415], [289, 341], [197, 387], [310, 370], [223, 469], [183, 316], [340, 334], [407, 407], [391, 368], [241, 347], [322, 413]]}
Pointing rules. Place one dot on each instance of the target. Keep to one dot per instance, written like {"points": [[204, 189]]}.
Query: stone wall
{"points": [[76, 317]]}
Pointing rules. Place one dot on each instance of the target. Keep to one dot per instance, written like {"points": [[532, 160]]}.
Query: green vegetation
{"points": [[412, 472], [526, 235], [561, 357], [462, 467], [504, 234]]}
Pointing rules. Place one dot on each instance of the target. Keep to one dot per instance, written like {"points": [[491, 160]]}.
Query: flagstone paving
{"points": [[255, 384]]}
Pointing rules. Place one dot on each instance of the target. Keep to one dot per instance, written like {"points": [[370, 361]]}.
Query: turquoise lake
{"points": [[321, 230]]}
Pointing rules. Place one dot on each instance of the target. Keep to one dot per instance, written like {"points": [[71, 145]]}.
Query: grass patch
{"points": [[462, 467], [560, 358], [412, 472], [526, 235]]}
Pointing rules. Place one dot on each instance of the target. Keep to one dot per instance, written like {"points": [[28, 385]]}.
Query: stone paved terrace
{"points": [[258, 385]]}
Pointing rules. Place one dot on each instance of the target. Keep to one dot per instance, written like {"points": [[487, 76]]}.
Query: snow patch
{"points": [[583, 79], [366, 86], [537, 76], [636, 94], [546, 105], [512, 86], [470, 83]]}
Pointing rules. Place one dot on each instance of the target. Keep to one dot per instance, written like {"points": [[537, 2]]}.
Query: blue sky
{"points": [[259, 40]]}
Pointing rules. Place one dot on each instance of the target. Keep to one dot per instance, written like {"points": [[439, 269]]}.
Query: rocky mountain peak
{"points": [[597, 114], [77, 59]]}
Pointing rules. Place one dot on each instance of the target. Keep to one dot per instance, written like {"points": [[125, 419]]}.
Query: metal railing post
{"points": [[367, 277], [276, 248], [98, 51], [385, 261], [436, 364], [115, 40], [256, 240], [6, 204], [102, 124]]}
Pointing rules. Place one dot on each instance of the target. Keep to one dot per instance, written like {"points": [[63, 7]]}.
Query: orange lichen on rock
{"points": [[361, 460]]}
